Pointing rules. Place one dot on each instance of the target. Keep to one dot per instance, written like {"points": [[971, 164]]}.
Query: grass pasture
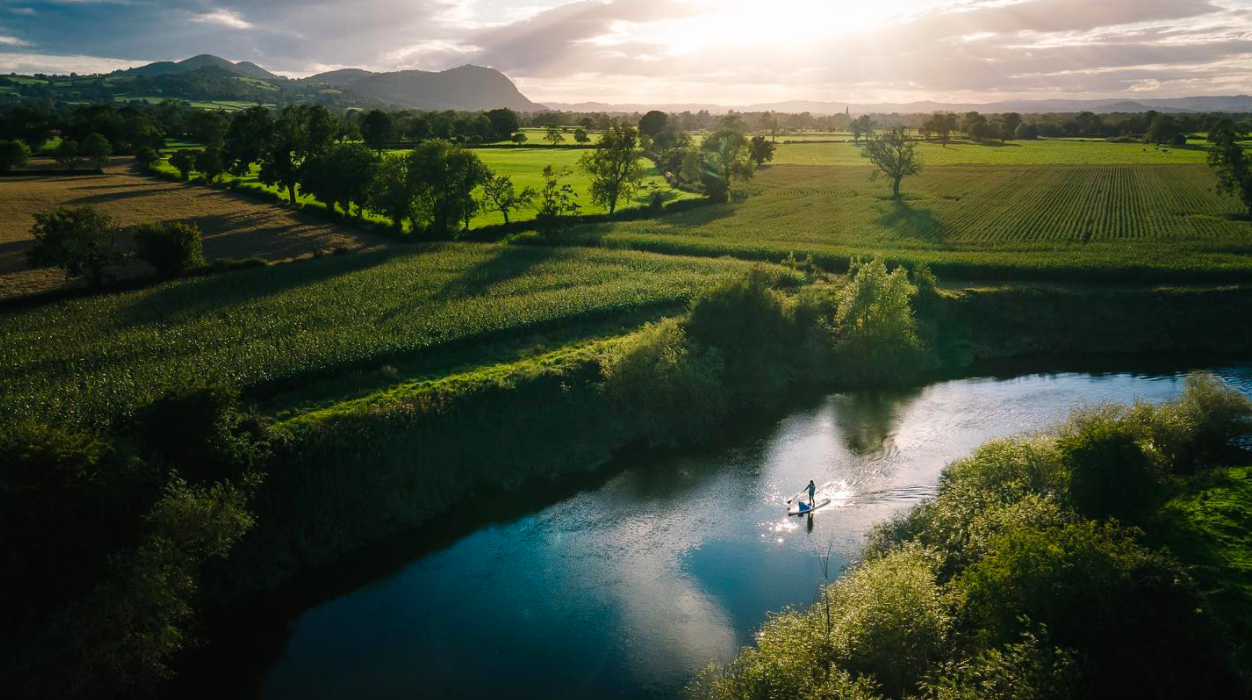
{"points": [[97, 357], [1072, 222]]}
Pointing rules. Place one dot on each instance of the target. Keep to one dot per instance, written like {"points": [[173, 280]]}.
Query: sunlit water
{"points": [[628, 588]]}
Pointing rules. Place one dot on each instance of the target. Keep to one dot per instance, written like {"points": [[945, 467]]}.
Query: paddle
{"points": [[802, 491]]}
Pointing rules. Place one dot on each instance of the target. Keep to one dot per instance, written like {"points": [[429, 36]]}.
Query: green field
{"points": [[524, 165], [1161, 222], [1040, 152], [98, 357]]}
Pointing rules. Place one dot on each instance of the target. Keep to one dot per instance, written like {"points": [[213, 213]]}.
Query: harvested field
{"points": [[233, 226]]}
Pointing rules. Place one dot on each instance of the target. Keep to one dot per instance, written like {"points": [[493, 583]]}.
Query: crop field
{"points": [[98, 357], [525, 165], [1115, 222], [233, 226], [1040, 152]]}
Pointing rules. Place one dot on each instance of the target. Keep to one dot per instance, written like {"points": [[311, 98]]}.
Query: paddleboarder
{"points": [[812, 489]]}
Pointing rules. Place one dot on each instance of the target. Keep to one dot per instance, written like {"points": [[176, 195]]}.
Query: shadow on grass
{"points": [[503, 263], [903, 219]]}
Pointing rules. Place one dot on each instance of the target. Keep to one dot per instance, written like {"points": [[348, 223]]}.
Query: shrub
{"points": [[97, 149], [199, 431], [889, 619], [670, 386], [1111, 475], [171, 247], [13, 154], [875, 330], [1029, 669], [753, 327], [1134, 616]]}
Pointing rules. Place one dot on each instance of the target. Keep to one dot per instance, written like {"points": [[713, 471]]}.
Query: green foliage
{"points": [[553, 135], [500, 195], [1029, 669], [172, 247], [726, 156], [391, 191], [96, 149], [209, 162], [1111, 475], [378, 129], [444, 178], [556, 198], [299, 136], [67, 154], [13, 154], [875, 329], [199, 431], [341, 176], [92, 359], [614, 167], [672, 388], [246, 139], [184, 160], [761, 150], [1232, 167], [894, 155], [79, 241]]}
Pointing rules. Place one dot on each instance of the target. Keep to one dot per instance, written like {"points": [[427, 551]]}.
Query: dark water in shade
{"points": [[626, 585]]}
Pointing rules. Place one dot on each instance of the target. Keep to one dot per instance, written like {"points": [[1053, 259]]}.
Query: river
{"points": [[626, 583]]}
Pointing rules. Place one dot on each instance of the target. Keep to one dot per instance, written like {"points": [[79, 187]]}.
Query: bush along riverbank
{"points": [[1028, 575], [236, 507]]}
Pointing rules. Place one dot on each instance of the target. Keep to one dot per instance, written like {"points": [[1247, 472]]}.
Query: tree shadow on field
{"points": [[502, 264], [112, 196], [902, 219]]}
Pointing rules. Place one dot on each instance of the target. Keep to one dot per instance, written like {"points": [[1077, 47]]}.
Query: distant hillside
{"points": [[245, 68], [466, 87], [1240, 103]]}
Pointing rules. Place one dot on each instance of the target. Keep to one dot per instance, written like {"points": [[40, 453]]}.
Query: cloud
{"points": [[728, 51]]}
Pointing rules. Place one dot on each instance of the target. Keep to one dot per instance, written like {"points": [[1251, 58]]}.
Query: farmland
{"points": [[233, 227], [99, 357], [1044, 152], [1116, 222]]}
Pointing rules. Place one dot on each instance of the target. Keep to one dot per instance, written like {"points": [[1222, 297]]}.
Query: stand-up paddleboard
{"points": [[806, 511]]}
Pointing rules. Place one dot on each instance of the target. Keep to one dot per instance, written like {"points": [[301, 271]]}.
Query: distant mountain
{"points": [[466, 87], [1240, 103], [204, 60]]}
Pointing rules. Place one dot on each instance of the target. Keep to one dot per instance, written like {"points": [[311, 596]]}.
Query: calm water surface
{"points": [[627, 587]]}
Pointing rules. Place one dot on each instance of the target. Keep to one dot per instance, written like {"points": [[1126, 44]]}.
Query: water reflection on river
{"points": [[627, 588]]}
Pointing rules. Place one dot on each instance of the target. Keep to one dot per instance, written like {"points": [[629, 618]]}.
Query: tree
{"points": [[614, 167], [556, 198], [301, 133], [894, 155], [13, 154], [96, 149], [519, 138], [391, 191], [969, 120], [761, 150], [79, 241], [1026, 132], [184, 161], [500, 195], [580, 135], [503, 122], [1231, 166], [378, 130], [861, 126], [980, 130], [726, 157], [1012, 120], [341, 176], [653, 123], [209, 162], [207, 127], [1164, 130], [172, 247], [67, 154], [446, 177], [553, 135], [246, 139]]}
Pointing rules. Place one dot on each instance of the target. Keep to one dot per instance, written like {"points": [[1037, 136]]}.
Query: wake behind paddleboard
{"points": [[806, 511]]}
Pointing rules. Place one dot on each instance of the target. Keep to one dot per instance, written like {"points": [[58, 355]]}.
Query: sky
{"points": [[730, 52]]}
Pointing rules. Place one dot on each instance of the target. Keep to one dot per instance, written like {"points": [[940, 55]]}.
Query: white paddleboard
{"points": [[797, 511]]}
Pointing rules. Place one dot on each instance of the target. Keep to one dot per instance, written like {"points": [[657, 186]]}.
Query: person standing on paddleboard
{"points": [[812, 489]]}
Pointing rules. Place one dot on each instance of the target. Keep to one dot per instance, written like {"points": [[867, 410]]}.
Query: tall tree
{"points": [[557, 199], [96, 148], [502, 123], [446, 177], [894, 155], [761, 150], [79, 241], [1231, 165], [862, 126], [341, 176], [392, 191], [653, 123], [725, 157], [13, 154], [209, 162], [301, 133], [614, 167], [378, 130], [246, 139], [553, 135], [499, 194]]}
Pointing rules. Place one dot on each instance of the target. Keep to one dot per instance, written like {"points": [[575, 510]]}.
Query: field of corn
{"points": [[95, 359], [1113, 222], [1042, 152]]}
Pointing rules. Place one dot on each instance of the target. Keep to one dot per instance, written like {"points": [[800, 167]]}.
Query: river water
{"points": [[625, 584]]}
